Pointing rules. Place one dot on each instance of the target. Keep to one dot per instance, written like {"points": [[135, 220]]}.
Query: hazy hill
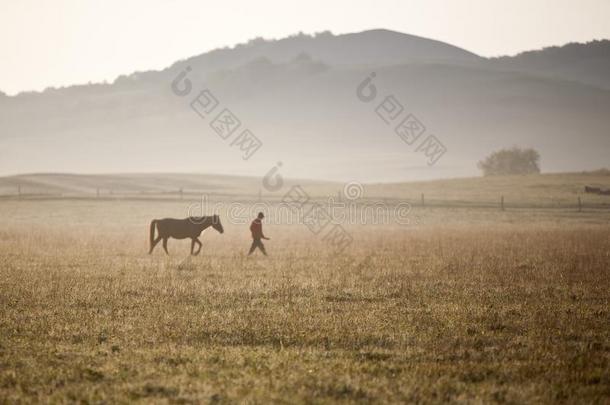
{"points": [[298, 95], [378, 47], [587, 63]]}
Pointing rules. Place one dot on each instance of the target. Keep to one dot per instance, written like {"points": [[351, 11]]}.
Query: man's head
{"points": [[261, 215]]}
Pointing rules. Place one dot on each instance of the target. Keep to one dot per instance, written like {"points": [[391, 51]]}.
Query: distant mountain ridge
{"points": [[298, 95], [379, 47], [382, 47], [587, 63]]}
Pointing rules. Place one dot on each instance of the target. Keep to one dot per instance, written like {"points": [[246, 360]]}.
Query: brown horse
{"points": [[181, 229]]}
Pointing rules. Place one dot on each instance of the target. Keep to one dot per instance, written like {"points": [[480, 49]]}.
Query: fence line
{"points": [[186, 196]]}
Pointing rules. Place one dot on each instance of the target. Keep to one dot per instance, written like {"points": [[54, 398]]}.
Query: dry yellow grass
{"points": [[514, 310]]}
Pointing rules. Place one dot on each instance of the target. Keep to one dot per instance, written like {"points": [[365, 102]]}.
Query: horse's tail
{"points": [[152, 232]]}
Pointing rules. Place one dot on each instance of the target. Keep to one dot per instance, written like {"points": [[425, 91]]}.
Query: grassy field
{"points": [[462, 305]]}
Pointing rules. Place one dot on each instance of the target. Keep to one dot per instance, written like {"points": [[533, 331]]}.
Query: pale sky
{"points": [[60, 42]]}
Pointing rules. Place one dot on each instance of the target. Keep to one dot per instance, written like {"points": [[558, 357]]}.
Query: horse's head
{"points": [[216, 224]]}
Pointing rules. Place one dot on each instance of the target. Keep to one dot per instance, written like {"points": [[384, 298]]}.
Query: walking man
{"points": [[257, 234]]}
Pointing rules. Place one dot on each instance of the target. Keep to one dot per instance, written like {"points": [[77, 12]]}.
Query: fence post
{"points": [[423, 202], [579, 205], [502, 203], [19, 191], [181, 193]]}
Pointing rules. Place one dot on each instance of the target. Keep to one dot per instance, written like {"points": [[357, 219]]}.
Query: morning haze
{"points": [[305, 202], [298, 96]]}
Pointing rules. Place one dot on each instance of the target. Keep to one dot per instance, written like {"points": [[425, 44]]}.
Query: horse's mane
{"points": [[201, 220]]}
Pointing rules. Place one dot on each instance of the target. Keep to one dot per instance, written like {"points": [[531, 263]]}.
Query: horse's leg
{"points": [[165, 246], [154, 243], [196, 240], [192, 246]]}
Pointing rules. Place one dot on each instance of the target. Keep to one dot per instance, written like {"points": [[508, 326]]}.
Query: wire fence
{"points": [[577, 202]]}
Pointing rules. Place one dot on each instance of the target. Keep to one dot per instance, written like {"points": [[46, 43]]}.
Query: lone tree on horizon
{"points": [[511, 161]]}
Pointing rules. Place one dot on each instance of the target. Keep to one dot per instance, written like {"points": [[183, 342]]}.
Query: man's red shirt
{"points": [[257, 229]]}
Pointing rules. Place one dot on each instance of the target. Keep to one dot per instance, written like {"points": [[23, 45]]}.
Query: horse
{"points": [[181, 229]]}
